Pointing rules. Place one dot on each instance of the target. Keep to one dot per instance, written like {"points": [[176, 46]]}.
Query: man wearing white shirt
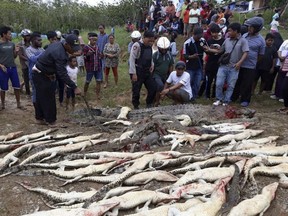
{"points": [[177, 86]]}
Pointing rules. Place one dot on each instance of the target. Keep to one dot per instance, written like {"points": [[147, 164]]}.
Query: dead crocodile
{"points": [[198, 113]]}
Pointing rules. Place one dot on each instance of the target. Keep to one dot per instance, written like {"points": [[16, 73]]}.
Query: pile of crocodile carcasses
{"points": [[140, 181]]}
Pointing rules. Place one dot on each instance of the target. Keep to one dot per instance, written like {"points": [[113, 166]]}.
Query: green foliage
{"points": [[40, 15], [277, 3]]}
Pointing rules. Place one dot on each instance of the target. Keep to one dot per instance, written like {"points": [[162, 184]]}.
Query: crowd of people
{"points": [[224, 60], [54, 67], [219, 59]]}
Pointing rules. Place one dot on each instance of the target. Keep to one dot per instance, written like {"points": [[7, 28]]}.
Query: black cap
{"points": [[73, 41], [92, 34], [180, 64]]}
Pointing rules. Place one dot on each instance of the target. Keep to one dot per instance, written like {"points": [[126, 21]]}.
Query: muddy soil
{"points": [[15, 200]]}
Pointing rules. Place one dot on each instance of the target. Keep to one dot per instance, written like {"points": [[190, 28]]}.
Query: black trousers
{"points": [[210, 77], [25, 75], [271, 79], [244, 85], [285, 91], [60, 87], [149, 83], [45, 108], [279, 84]]}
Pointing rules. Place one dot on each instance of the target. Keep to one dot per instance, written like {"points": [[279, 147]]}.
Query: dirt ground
{"points": [[15, 200]]}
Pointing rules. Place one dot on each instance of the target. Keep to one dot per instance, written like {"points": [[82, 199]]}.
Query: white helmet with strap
{"points": [[135, 34], [163, 43]]}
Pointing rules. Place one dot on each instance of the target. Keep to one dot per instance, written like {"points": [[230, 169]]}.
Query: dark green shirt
{"points": [[162, 63], [7, 54]]}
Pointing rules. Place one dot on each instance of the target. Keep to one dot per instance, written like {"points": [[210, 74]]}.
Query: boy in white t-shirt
{"points": [[72, 71], [177, 86]]}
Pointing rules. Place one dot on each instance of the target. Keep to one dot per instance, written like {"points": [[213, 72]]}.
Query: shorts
{"points": [[10, 74], [70, 93], [159, 82], [97, 74], [182, 94]]}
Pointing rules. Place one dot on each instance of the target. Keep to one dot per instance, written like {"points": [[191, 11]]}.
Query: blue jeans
{"points": [[195, 80], [230, 75]]}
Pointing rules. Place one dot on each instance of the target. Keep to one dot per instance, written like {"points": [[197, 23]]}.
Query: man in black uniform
{"points": [[141, 68], [53, 61]]}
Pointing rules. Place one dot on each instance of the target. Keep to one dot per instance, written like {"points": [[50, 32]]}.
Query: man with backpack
{"points": [[163, 65]]}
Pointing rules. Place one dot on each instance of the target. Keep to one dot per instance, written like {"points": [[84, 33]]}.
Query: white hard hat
{"points": [[59, 34], [135, 34], [163, 43], [26, 32]]}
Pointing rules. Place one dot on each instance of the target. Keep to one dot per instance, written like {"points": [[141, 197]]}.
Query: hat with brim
{"points": [[73, 41]]}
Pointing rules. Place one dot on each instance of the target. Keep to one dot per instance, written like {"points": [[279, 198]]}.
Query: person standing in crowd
{"points": [[183, 9], [205, 12], [111, 55], [92, 58], [80, 58], [52, 37], [256, 43], [177, 86], [152, 22], [274, 25], [163, 65], [33, 52], [141, 68], [282, 55], [101, 41], [228, 71], [212, 64], [194, 16], [228, 15], [276, 15], [173, 45], [170, 9], [223, 27], [186, 28], [135, 37], [53, 61], [193, 54], [72, 71], [59, 36], [266, 65], [8, 69], [284, 70], [23, 45], [278, 40]]}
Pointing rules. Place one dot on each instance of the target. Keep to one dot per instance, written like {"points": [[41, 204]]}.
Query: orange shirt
{"points": [[186, 16]]}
